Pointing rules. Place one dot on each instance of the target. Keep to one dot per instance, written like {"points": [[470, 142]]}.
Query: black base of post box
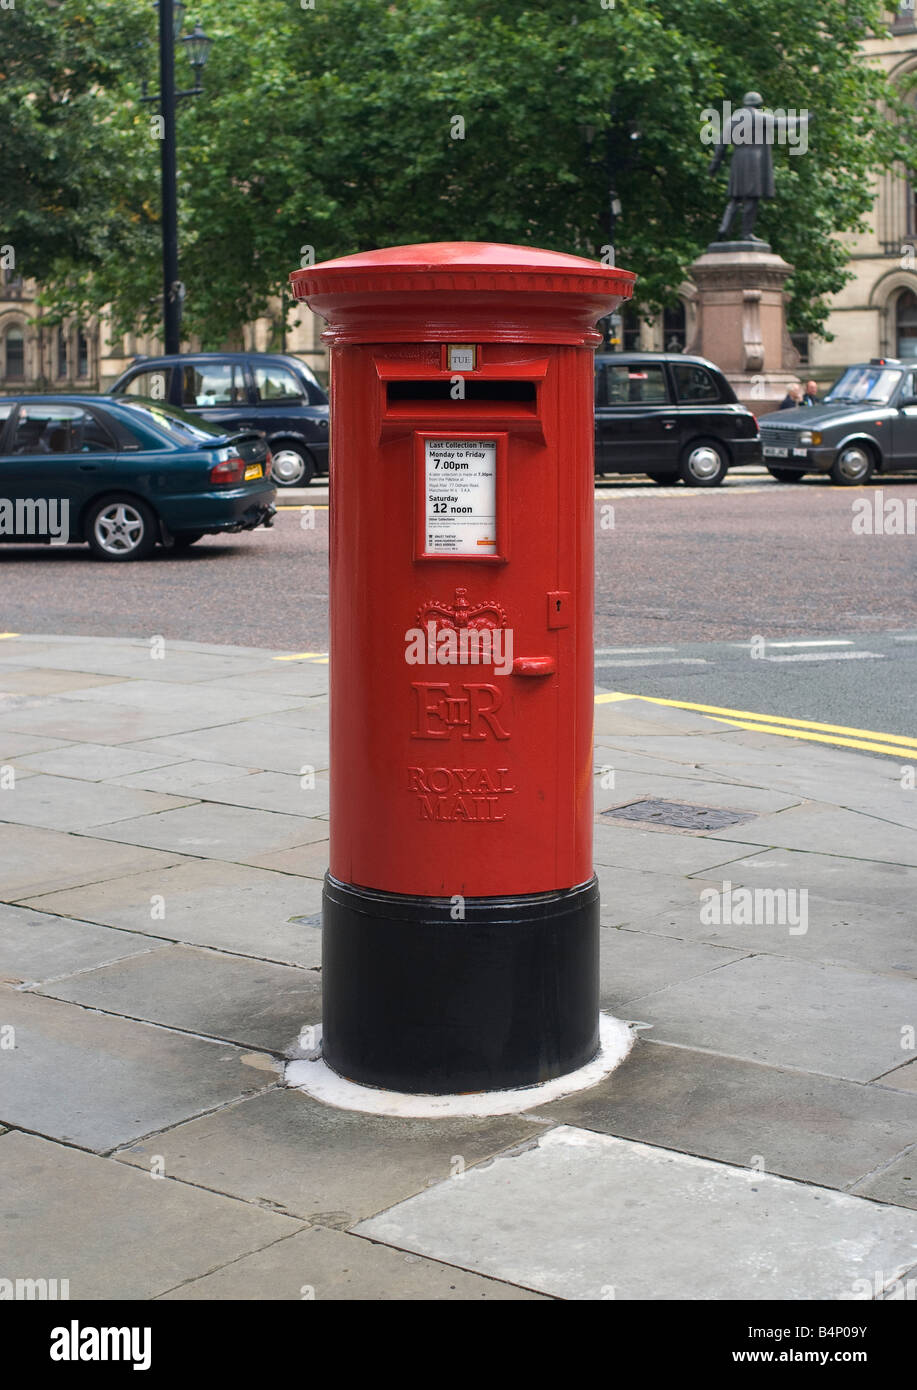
{"points": [[422, 1000]]}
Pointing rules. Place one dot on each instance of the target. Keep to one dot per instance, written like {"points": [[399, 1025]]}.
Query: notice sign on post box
{"points": [[460, 488]]}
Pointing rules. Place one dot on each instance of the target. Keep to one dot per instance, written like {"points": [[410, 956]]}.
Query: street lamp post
{"points": [[171, 289], [614, 164], [171, 16]]}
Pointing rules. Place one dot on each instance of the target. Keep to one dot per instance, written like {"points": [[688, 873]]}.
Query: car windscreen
{"points": [[181, 427], [874, 384]]}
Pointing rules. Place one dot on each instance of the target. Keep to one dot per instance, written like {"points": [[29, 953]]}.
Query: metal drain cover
{"points": [[677, 814]]}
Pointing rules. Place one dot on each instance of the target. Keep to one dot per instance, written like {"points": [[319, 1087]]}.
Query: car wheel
{"points": [[786, 475], [290, 467], [854, 465], [182, 539], [704, 464], [121, 528]]}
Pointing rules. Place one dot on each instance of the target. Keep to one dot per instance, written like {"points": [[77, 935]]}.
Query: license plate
{"points": [[773, 451], [252, 471]]}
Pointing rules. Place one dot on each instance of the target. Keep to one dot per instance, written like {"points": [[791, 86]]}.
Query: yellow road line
{"points": [[868, 740], [8, 634], [291, 507], [318, 658], [774, 719], [893, 750]]}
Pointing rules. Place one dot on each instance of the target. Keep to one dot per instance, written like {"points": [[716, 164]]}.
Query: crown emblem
{"points": [[461, 613]]}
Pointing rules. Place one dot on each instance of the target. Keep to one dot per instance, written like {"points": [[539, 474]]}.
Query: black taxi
{"points": [[670, 416]]}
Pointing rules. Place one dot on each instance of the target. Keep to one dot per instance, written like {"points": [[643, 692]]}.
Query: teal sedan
{"points": [[123, 476]]}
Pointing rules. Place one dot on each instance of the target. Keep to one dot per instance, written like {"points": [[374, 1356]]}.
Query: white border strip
{"points": [[316, 1079]]}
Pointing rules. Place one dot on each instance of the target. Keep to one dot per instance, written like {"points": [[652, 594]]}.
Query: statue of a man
{"points": [[751, 132]]}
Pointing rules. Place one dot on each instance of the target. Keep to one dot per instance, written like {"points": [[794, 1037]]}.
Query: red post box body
{"points": [[461, 911]]}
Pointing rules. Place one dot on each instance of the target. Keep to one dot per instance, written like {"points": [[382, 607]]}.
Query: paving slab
{"points": [[275, 791], [901, 1079], [67, 803], [630, 720], [638, 786], [608, 1230], [325, 1264], [74, 721], [34, 860], [822, 829], [114, 1232], [879, 939], [206, 903], [622, 846], [38, 946], [833, 876], [896, 1184], [707, 750], [182, 778], [93, 762], [214, 831], [251, 1002], [184, 698], [117, 657], [314, 714], [308, 861], [261, 743], [324, 1165], [37, 682], [97, 1082], [299, 677], [743, 747], [788, 1013], [869, 784], [632, 964], [628, 895], [656, 764], [13, 746], [800, 1126]]}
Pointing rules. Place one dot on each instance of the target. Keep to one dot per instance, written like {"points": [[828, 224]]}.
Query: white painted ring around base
{"points": [[314, 1077]]}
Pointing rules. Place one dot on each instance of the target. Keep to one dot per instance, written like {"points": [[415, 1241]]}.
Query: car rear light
{"points": [[269, 459], [231, 470]]}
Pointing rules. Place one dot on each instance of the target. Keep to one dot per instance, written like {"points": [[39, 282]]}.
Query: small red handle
{"points": [[534, 666]]}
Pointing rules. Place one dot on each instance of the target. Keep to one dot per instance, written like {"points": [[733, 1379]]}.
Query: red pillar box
{"points": [[461, 912]]}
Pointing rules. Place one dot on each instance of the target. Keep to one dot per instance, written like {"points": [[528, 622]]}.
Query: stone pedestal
{"points": [[741, 320]]}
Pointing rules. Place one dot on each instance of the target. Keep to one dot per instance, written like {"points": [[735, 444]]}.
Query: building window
{"points": [[906, 325], [674, 335], [800, 342], [61, 353], [82, 353], [630, 329], [904, 16], [15, 355]]}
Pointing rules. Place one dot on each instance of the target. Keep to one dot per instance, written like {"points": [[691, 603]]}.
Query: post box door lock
{"points": [[534, 666], [560, 608]]}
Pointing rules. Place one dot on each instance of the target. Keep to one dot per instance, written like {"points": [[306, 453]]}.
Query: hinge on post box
{"points": [[560, 608]]}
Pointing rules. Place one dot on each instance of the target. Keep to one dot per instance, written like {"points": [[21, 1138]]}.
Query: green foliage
{"points": [[333, 128]]}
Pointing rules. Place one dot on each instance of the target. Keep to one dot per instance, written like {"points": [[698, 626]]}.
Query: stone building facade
{"points": [[75, 357], [875, 314]]}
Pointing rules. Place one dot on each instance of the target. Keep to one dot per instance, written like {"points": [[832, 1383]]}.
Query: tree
{"points": [[63, 178], [360, 123]]}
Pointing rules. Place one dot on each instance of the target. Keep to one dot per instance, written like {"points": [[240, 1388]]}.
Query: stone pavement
{"points": [[163, 835]]}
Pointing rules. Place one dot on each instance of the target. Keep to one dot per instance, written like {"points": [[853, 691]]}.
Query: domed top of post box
{"points": [[477, 290]]}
